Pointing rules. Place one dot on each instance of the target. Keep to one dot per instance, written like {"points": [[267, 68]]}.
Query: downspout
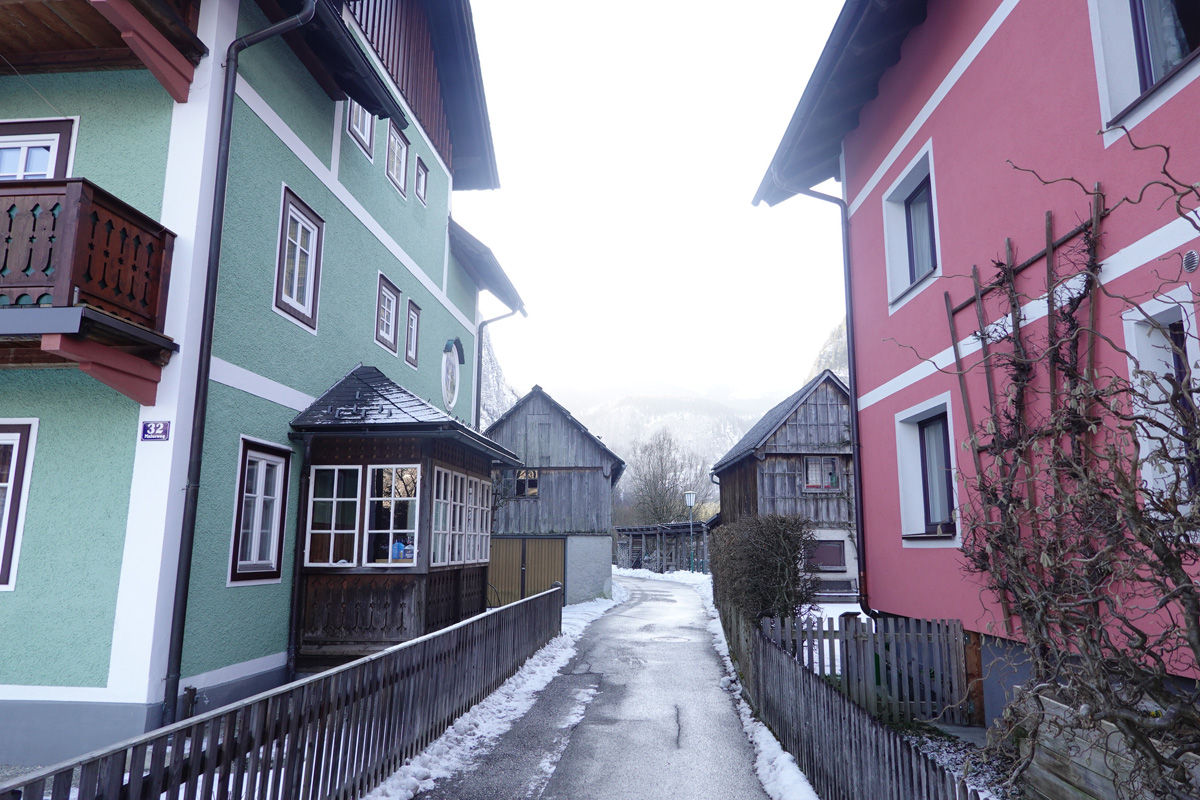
{"points": [[479, 363], [200, 409], [855, 443]]}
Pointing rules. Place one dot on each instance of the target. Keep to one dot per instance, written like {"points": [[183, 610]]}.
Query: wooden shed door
{"points": [[521, 568]]}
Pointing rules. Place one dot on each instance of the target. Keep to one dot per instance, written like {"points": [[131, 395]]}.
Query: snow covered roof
{"points": [[368, 400], [770, 422]]}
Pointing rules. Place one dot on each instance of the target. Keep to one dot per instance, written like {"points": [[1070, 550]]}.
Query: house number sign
{"points": [[156, 431]]}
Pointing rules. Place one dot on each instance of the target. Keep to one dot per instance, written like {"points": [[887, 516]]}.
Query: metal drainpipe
{"points": [[855, 444], [479, 363], [200, 409]]}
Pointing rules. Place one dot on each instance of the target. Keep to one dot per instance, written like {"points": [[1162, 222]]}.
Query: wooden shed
{"points": [[796, 460], [395, 519], [554, 514]]}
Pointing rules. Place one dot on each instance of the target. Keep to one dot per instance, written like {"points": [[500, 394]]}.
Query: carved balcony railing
{"points": [[68, 243]]}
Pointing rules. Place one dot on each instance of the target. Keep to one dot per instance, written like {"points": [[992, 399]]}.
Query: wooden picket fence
{"points": [[334, 735], [897, 669], [845, 753]]}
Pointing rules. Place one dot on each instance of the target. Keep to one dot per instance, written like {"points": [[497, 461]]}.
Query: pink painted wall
{"points": [[1030, 96]]}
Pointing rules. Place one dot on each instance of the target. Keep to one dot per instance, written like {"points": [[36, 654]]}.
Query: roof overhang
{"points": [[478, 260], [864, 44], [454, 49], [459, 433]]}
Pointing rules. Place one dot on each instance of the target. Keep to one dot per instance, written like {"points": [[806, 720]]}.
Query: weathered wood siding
{"points": [[544, 437], [739, 490], [568, 501], [574, 474], [781, 490], [821, 424]]}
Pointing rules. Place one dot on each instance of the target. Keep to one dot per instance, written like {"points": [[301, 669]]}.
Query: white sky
{"points": [[631, 136]]}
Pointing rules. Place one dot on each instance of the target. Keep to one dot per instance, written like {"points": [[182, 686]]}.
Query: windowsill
{"points": [[824, 570], [1153, 90], [912, 289], [928, 536]]}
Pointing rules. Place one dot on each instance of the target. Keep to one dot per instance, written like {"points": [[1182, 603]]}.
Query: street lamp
{"points": [[689, 498]]}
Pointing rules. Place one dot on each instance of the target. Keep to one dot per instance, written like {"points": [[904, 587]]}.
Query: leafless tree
{"points": [[660, 470]]}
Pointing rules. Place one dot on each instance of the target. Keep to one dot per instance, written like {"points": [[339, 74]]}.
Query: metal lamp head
{"points": [[689, 498]]}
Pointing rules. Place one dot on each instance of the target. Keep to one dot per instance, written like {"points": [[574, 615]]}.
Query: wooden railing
{"points": [[334, 735], [69, 242], [898, 669]]}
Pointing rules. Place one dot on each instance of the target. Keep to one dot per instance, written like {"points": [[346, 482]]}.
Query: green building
{"points": [[343, 498]]}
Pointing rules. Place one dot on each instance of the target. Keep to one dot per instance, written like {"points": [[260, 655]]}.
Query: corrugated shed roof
{"points": [[366, 399], [770, 422]]}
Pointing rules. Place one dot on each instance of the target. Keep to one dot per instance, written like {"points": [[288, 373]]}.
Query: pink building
{"points": [[920, 109]]}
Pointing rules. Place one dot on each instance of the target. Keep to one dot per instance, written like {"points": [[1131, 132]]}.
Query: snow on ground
{"points": [[775, 767], [475, 732]]}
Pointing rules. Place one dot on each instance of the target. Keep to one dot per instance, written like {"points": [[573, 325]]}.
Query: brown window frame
{"points": [[387, 286], [237, 574], [412, 343], [292, 202], [368, 144], [9, 525], [63, 128]]}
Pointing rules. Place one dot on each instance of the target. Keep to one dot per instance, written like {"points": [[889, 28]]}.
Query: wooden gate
{"points": [[524, 566]]}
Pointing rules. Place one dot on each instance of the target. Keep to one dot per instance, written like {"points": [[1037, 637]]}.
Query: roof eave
{"points": [[479, 259]]}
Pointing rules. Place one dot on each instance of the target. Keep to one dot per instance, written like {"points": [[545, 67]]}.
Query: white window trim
{"points": [[421, 180], [22, 500], [74, 137], [303, 223], [365, 516], [275, 288], [384, 285], [400, 181], [908, 476], [480, 512], [364, 139], [412, 344], [250, 443], [34, 140], [1115, 53], [895, 229], [308, 529], [1177, 305]]}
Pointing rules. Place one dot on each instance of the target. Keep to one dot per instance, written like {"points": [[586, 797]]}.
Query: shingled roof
{"points": [[368, 400], [770, 422]]}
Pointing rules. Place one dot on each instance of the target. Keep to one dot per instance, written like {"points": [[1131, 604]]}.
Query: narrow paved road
{"points": [[638, 713]]}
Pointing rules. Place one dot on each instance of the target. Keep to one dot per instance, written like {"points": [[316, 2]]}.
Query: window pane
{"points": [[919, 211], [379, 515], [246, 546], [37, 162], [6, 455], [10, 159], [1172, 32], [323, 482], [347, 483], [933, 447], [318, 549], [405, 518], [322, 515], [347, 515], [266, 524], [343, 548]]}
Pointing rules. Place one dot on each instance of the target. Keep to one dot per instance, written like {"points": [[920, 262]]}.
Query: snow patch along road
{"points": [[474, 733]]}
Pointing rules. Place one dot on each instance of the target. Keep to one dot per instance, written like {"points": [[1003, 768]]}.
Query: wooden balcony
{"points": [[83, 280]]}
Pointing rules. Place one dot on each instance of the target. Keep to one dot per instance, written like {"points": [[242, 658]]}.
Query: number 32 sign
{"points": [[156, 431]]}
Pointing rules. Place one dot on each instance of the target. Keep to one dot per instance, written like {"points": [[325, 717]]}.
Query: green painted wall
{"points": [[461, 289], [58, 622], [124, 126], [252, 335], [227, 625], [272, 70]]}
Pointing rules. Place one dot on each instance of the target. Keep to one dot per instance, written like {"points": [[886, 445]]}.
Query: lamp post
{"points": [[689, 498]]}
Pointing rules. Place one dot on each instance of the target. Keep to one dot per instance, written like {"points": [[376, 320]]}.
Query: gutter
{"points": [[187, 536], [479, 362], [855, 443]]}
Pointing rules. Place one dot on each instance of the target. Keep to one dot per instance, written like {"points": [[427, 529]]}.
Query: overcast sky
{"points": [[631, 137]]}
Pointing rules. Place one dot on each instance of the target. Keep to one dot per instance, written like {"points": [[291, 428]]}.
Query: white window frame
{"points": [[367, 530], [243, 573], [901, 288], [385, 290], [421, 181], [284, 302], [909, 479], [333, 531], [25, 143], [1143, 343], [412, 333], [837, 471], [27, 133], [1114, 49], [462, 519], [396, 165], [12, 510], [360, 124]]}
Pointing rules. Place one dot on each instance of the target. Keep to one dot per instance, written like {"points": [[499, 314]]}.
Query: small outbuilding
{"points": [[797, 460], [553, 519]]}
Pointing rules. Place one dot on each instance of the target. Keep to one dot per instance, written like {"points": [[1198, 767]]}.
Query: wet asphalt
{"points": [[637, 713]]}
